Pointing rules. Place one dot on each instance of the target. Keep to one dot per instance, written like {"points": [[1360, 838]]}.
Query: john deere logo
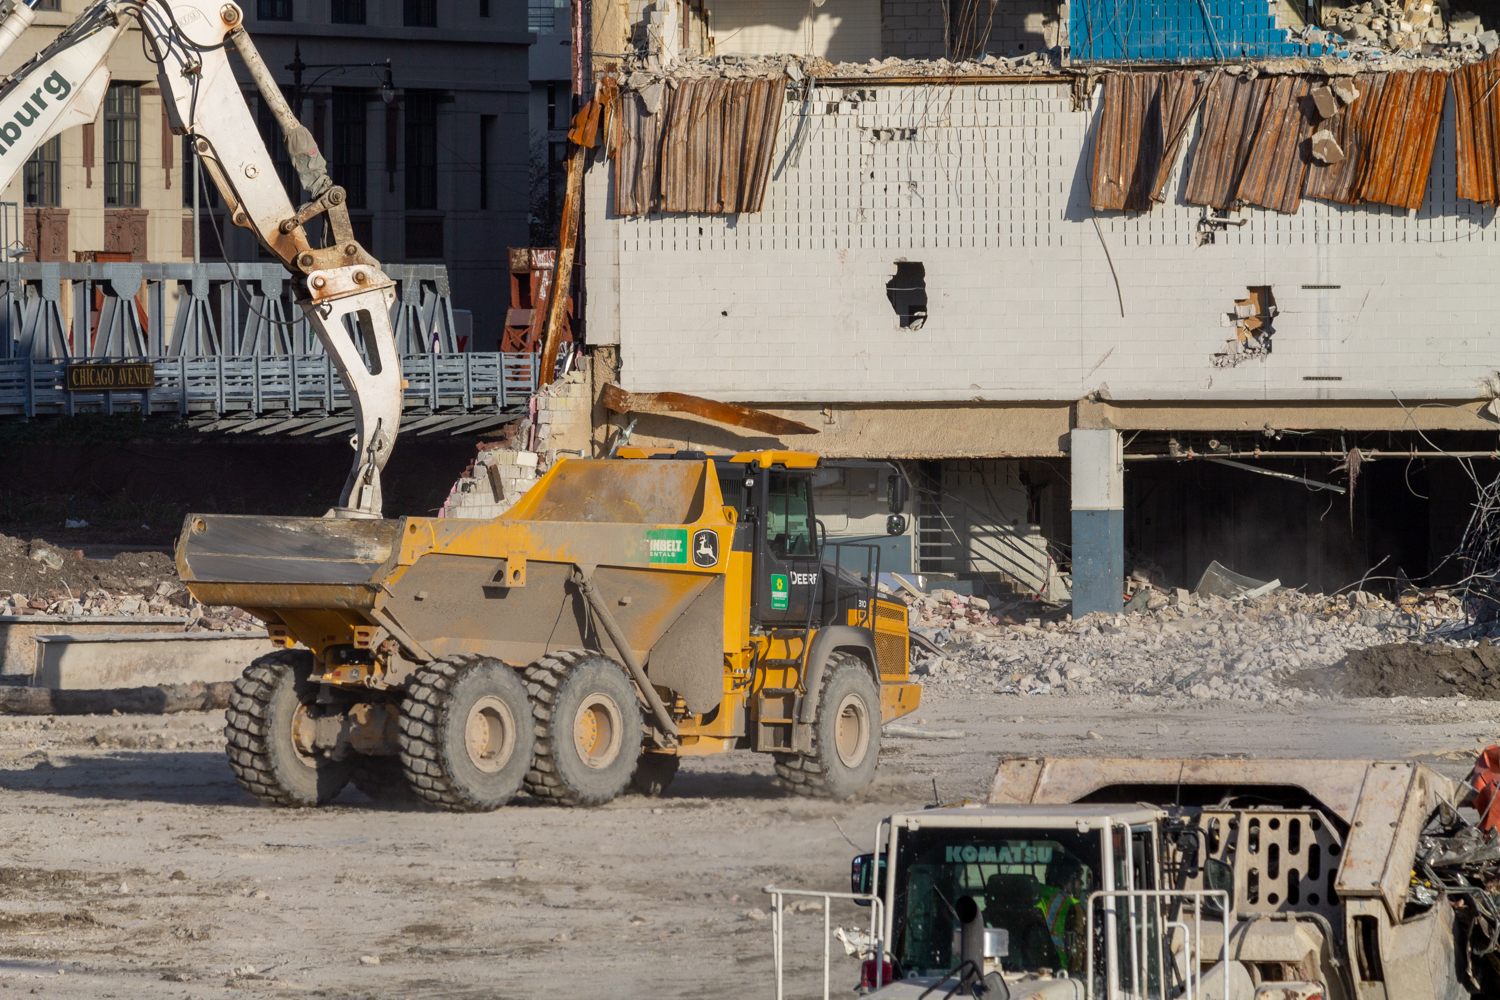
{"points": [[32, 108], [779, 595], [706, 549], [667, 545]]}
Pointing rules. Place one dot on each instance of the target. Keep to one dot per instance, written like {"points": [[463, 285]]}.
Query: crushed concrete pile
{"points": [[1180, 646], [39, 578]]}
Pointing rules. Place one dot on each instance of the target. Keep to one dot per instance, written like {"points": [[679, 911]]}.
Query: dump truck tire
{"points": [[382, 779], [845, 738], [466, 734], [654, 773], [588, 728], [258, 727]]}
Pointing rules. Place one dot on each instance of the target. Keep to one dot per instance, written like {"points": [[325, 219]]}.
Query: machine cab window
{"points": [[789, 527]]}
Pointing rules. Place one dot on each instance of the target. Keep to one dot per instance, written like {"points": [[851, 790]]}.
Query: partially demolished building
{"points": [[1021, 248]]}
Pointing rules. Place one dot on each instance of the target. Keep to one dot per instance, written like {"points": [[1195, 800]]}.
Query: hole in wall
{"points": [[907, 291]]}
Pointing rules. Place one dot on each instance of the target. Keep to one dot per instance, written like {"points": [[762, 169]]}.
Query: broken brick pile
{"points": [[502, 471]]}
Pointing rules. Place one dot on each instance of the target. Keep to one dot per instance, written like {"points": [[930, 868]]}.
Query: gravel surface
{"points": [[135, 866]]}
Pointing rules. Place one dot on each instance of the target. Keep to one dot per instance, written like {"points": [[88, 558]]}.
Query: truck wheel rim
{"points": [[851, 731], [597, 731], [305, 736], [490, 734]]}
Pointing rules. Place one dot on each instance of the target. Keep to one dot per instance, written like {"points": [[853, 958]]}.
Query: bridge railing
{"points": [[295, 384]]}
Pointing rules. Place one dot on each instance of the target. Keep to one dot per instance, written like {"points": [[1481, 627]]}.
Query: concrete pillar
{"points": [[1098, 459]]}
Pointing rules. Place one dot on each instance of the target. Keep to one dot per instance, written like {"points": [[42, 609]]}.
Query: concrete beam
{"points": [[1232, 415]]}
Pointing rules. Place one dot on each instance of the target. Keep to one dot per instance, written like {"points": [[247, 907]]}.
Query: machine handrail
{"points": [[778, 895]]}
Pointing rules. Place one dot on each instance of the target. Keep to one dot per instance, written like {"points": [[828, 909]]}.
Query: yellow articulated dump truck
{"points": [[624, 614]]}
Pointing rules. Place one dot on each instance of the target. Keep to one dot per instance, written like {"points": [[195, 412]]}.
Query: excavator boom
{"points": [[340, 288]]}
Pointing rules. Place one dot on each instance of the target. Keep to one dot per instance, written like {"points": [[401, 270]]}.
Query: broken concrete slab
{"points": [[93, 662], [1324, 102], [1326, 149], [18, 633], [1343, 88]]}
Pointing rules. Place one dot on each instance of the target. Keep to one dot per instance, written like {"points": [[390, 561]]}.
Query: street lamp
{"points": [[387, 86]]}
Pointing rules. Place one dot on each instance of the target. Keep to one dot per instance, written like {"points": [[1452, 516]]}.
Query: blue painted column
{"points": [[1098, 461]]}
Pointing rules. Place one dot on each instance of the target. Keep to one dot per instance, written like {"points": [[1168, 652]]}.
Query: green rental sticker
{"points": [[778, 591], [668, 545]]}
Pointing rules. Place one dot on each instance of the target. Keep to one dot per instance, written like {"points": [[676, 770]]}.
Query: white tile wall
{"points": [[988, 188]]}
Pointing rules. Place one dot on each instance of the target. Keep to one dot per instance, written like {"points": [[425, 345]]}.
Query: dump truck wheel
{"points": [[845, 738], [466, 734], [588, 728], [262, 711], [654, 773], [382, 779]]}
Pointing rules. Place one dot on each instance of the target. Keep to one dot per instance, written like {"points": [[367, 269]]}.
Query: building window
{"points": [[351, 144], [421, 149], [348, 11], [539, 17], [486, 133], [557, 179], [210, 192], [274, 10], [49, 5], [42, 174], [420, 14], [424, 237], [122, 146]]}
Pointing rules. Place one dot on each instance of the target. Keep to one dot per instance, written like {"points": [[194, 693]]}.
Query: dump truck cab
{"points": [[1262, 880], [666, 604]]}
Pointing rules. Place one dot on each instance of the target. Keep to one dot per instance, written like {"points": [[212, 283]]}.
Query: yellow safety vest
{"points": [[1055, 906]]}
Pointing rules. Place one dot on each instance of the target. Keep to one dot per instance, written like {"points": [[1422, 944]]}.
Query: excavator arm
{"points": [[340, 288]]}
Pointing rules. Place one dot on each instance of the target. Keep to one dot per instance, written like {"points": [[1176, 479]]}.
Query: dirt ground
{"points": [[134, 866]]}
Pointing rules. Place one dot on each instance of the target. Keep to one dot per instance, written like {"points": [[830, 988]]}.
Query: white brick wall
{"points": [[990, 193]]}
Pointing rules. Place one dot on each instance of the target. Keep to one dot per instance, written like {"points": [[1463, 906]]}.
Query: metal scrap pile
{"points": [[1460, 862], [1478, 557]]}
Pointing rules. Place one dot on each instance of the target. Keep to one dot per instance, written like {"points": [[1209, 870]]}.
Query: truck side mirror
{"points": [[862, 878], [897, 492]]}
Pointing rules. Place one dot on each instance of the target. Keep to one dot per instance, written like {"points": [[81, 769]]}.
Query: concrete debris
{"points": [[1325, 148], [1372, 31], [1277, 647], [1324, 102], [638, 73], [1343, 88], [38, 578]]}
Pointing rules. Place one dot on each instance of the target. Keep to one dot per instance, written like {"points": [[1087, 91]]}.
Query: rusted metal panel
{"points": [[1403, 136], [1353, 129], [1127, 146], [1477, 117], [1275, 168], [637, 167], [707, 150], [1182, 94], [1232, 112]]}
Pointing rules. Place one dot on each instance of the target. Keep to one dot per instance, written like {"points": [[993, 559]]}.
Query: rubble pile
{"points": [[641, 73], [1263, 648], [1371, 29], [39, 578]]}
